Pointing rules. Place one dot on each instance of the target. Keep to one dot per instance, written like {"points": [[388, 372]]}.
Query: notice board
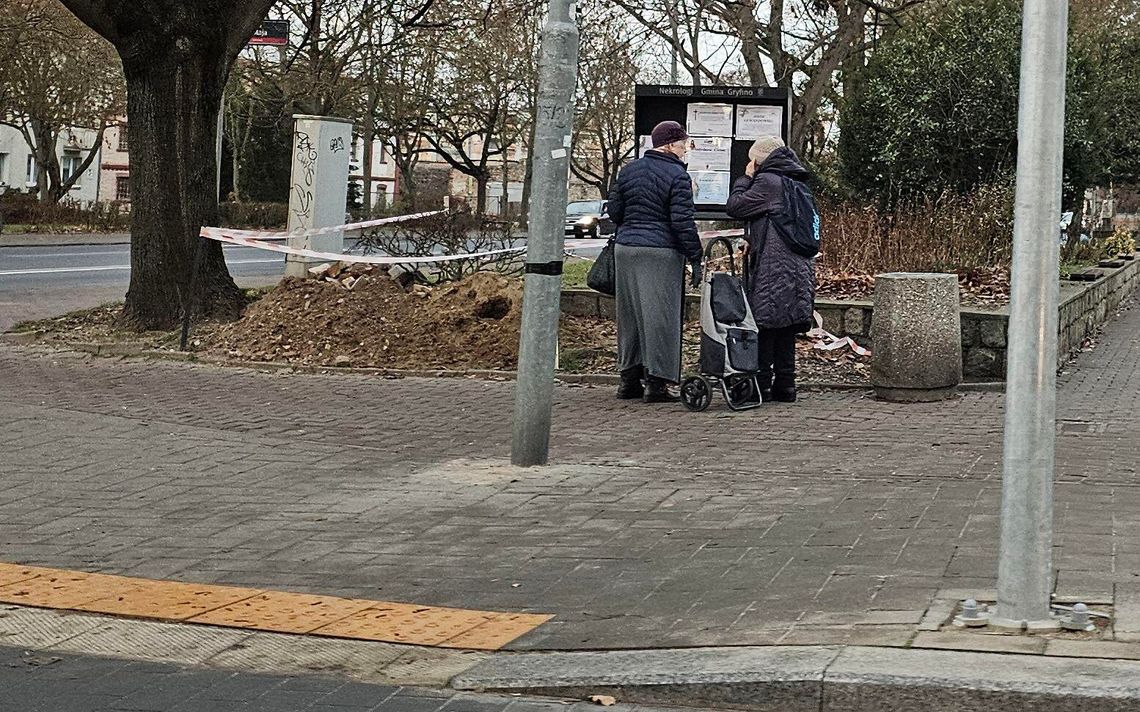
{"points": [[722, 123]]}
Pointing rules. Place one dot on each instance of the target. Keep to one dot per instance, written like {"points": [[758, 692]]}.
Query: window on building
{"points": [[69, 167], [124, 139], [123, 189], [3, 166]]}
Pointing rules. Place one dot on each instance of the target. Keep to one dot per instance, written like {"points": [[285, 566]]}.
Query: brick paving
{"points": [[836, 519], [38, 682]]}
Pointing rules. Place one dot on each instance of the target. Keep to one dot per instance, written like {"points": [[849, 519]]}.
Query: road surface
{"points": [[39, 282]]}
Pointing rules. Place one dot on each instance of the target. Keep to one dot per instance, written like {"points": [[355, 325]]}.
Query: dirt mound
{"points": [[470, 324]]}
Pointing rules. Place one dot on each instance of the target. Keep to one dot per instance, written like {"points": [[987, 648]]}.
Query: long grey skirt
{"points": [[650, 299]]}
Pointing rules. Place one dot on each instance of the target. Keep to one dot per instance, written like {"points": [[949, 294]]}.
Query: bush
{"points": [[451, 233], [27, 210], [254, 215], [951, 233]]}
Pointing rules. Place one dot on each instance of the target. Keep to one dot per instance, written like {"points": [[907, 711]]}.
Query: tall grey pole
{"points": [[538, 343], [1025, 567]]}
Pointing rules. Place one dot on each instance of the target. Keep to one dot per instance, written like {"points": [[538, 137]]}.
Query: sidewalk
{"points": [[63, 239], [838, 520]]}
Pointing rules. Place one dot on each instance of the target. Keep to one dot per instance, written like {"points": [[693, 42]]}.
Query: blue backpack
{"points": [[798, 223]]}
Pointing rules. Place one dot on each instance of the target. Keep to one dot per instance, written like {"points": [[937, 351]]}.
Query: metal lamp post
{"points": [[542, 293], [1025, 568]]}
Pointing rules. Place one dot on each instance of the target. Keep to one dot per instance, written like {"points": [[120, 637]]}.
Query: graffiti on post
{"points": [[303, 179]]}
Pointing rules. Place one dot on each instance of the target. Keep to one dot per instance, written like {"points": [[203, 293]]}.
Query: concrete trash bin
{"points": [[917, 333]]}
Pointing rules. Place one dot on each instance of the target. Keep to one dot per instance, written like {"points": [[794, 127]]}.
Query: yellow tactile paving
{"points": [[168, 600], [255, 609], [284, 612], [11, 573], [497, 632], [64, 589], [403, 623]]}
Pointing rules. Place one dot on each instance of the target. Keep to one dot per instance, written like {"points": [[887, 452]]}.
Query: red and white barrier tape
{"points": [[349, 227], [826, 341], [366, 259], [257, 240]]}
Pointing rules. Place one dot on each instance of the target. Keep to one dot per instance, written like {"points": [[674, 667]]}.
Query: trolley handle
{"points": [[728, 248]]}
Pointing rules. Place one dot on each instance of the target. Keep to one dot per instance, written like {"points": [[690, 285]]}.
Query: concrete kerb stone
{"points": [[594, 379], [775, 679], [820, 678]]}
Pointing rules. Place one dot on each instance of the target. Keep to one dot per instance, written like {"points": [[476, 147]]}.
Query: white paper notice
{"points": [[644, 145], [710, 187], [709, 154], [710, 120], [752, 122]]}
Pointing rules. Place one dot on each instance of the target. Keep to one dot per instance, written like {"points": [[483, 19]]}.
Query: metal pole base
{"points": [[1010, 625]]}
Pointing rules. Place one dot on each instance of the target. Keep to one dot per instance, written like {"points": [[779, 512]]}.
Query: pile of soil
{"points": [[362, 318], [472, 324]]}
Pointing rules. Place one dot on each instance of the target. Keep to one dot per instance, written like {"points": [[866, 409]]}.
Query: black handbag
{"points": [[601, 277]]}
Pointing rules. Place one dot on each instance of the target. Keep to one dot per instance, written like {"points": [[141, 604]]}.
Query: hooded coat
{"points": [[781, 284]]}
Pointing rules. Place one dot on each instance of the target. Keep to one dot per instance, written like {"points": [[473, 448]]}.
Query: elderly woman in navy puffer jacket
{"points": [[781, 284], [652, 205]]}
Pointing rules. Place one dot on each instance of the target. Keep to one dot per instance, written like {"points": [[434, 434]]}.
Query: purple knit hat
{"points": [[668, 132]]}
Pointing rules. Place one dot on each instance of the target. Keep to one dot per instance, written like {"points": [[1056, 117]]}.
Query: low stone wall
{"points": [[1085, 306]]}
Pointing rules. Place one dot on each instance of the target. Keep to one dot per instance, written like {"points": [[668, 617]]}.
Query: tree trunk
{"points": [[369, 132], [481, 181], [47, 164], [173, 103]]}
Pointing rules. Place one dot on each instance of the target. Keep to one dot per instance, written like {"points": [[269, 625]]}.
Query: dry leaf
{"points": [[603, 700]]}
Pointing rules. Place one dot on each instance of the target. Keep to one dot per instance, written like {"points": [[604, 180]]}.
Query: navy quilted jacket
{"points": [[781, 284], [652, 205]]}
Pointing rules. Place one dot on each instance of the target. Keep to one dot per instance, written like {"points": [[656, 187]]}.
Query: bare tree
{"points": [[797, 44], [176, 57], [480, 102], [607, 72], [59, 76]]}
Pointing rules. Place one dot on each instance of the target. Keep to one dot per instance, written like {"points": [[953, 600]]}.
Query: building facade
{"points": [[18, 167], [115, 170]]}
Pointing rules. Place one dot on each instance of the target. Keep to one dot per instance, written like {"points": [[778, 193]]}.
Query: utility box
{"points": [[318, 187]]}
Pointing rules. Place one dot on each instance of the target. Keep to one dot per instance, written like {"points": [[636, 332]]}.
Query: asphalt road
{"points": [[38, 282]]}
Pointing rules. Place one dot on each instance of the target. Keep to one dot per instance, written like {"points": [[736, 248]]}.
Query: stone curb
{"points": [[819, 679], [594, 379]]}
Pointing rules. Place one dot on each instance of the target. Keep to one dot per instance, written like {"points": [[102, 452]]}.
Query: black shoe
{"points": [[785, 395], [657, 391], [766, 395], [631, 386]]}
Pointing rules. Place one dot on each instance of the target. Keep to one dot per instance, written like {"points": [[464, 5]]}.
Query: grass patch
{"points": [[574, 273]]}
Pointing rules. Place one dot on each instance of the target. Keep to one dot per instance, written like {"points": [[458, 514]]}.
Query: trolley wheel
{"points": [[741, 391], [696, 393]]}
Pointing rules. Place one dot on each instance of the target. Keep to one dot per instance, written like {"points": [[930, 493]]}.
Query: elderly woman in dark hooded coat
{"points": [[781, 283]]}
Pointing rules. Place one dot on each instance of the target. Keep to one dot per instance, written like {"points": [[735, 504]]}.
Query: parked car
{"points": [[588, 219]]}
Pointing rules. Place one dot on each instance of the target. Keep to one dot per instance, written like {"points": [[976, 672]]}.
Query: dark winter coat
{"points": [[652, 205], [781, 284]]}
